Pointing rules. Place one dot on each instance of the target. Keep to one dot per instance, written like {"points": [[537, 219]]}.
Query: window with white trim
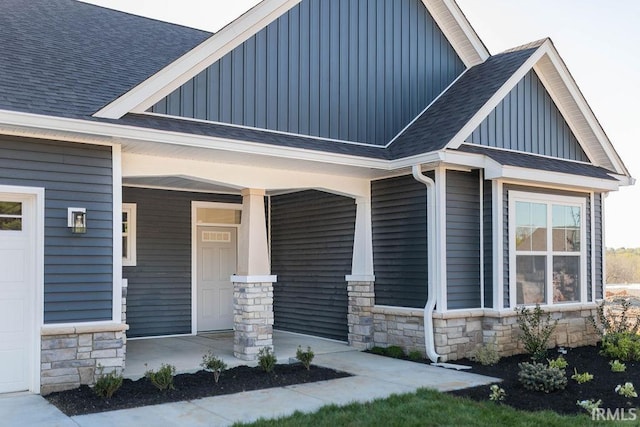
{"points": [[129, 234], [547, 245]]}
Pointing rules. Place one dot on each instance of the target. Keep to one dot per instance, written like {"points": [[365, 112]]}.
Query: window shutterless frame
{"points": [[129, 235]]}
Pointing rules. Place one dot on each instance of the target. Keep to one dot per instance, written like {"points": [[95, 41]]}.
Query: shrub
{"points": [[536, 327], [305, 357], [581, 378], [267, 360], [589, 405], [107, 384], [621, 345], [617, 366], [394, 351], [539, 377], [214, 364], [381, 351], [619, 333], [626, 390], [415, 355], [497, 393], [559, 362], [486, 354], [163, 377]]}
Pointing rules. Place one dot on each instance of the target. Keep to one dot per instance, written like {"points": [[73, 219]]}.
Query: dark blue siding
{"points": [[159, 293], [399, 226], [311, 252], [487, 224], [463, 240], [78, 268], [588, 214], [528, 120], [597, 213], [356, 70]]}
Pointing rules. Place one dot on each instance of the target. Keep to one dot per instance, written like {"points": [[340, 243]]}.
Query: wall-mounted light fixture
{"points": [[77, 220]]}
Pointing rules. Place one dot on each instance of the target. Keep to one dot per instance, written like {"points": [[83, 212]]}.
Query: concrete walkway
{"points": [[374, 377]]}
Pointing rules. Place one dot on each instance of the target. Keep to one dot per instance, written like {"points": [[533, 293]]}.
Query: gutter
{"points": [[429, 338]]}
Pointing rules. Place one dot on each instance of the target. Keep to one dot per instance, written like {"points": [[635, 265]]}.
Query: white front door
{"points": [[217, 261], [17, 289]]}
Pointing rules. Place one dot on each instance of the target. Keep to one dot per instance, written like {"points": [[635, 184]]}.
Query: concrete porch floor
{"points": [[185, 352]]}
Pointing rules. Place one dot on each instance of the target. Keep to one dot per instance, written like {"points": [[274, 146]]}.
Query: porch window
{"points": [[547, 250], [10, 216], [128, 234]]}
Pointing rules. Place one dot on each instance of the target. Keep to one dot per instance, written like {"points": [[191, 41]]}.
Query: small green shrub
{"points": [[622, 346], [539, 377], [613, 318], [626, 390], [267, 360], [214, 364], [589, 405], [497, 393], [581, 378], [305, 357], [415, 355], [617, 366], [536, 327], [163, 377], [381, 351], [394, 351], [560, 362], [107, 384], [486, 354]]}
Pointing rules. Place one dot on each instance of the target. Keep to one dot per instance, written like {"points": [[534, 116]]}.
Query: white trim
{"points": [[481, 190], [132, 235], [35, 196], [197, 59], [187, 190], [359, 278], [254, 279], [548, 200], [498, 244], [593, 246], [116, 173], [441, 237]]}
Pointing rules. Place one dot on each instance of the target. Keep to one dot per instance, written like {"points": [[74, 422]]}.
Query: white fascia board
{"points": [[497, 97], [585, 109], [551, 178], [165, 81], [458, 31]]}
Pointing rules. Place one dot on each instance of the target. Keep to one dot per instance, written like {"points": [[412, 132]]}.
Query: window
{"points": [[128, 234], [547, 251], [10, 216]]}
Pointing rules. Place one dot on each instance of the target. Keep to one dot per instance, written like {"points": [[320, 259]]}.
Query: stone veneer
{"points": [[252, 319], [70, 354], [458, 334], [361, 299]]}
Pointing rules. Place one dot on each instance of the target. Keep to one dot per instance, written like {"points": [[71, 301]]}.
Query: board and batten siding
{"points": [[78, 268], [159, 286], [528, 120], [399, 232], [598, 226], [311, 252], [357, 70], [463, 239]]}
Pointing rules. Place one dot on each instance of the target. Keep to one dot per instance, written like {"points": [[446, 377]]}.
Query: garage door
{"points": [[17, 285]]}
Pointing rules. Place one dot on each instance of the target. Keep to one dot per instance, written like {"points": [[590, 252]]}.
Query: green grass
{"points": [[427, 408]]}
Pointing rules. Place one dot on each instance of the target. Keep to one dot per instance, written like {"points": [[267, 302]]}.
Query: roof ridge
{"points": [[530, 45]]}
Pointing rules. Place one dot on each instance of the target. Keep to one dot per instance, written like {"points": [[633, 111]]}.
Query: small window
{"points": [[10, 216], [128, 234]]}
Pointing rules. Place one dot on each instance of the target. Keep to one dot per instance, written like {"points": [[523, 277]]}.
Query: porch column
{"points": [[253, 283], [360, 282]]}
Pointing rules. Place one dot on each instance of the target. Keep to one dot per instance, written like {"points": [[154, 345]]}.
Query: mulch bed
{"points": [[142, 392], [584, 359]]}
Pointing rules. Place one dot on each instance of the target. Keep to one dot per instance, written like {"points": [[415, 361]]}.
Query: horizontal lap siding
{"points": [[399, 227], [159, 292], [599, 267], [487, 237], [311, 252], [357, 70], [528, 120], [463, 240], [78, 269]]}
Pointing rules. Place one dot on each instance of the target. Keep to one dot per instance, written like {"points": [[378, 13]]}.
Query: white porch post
{"points": [[360, 282], [253, 283]]}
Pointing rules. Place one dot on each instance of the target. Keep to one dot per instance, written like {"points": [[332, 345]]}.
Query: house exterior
{"points": [[363, 171]]}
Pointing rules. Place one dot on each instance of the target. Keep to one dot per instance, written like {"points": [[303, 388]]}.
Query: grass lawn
{"points": [[431, 408]]}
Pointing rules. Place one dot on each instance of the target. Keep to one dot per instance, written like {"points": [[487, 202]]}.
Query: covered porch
{"points": [[185, 352]]}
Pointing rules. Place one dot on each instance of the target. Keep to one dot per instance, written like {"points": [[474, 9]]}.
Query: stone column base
{"points": [[70, 354], [360, 315], [252, 319]]}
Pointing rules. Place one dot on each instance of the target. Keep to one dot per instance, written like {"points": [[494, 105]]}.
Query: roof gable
{"points": [[528, 120], [349, 70]]}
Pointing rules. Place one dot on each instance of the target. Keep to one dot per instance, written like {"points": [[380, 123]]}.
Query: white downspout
{"points": [[431, 251]]}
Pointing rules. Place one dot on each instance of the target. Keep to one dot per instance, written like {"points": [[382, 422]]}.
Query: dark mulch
{"points": [[188, 387], [584, 359]]}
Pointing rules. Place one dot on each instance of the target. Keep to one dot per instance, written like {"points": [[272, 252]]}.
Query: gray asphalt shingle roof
{"points": [[67, 58]]}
